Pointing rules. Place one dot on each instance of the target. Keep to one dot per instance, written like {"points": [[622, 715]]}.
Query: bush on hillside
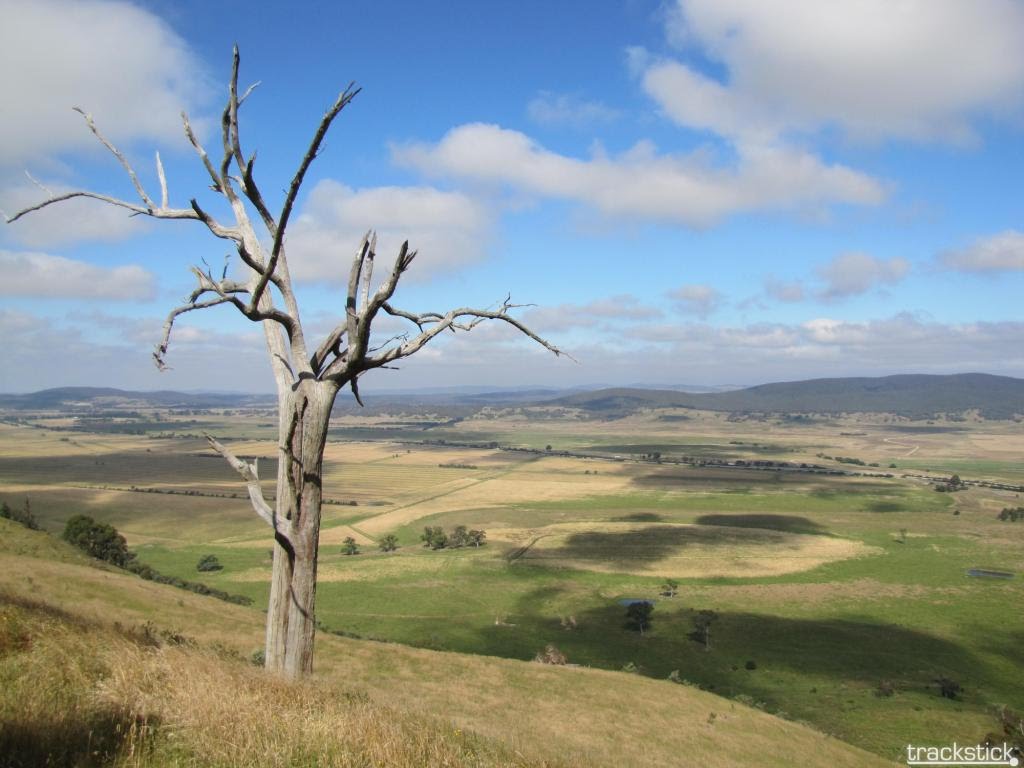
{"points": [[98, 540], [23, 515], [209, 563]]}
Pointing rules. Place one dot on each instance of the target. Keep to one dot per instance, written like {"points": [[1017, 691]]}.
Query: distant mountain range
{"points": [[916, 395], [995, 397], [98, 397]]}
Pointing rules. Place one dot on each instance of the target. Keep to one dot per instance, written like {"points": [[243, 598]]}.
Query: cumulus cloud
{"points": [[564, 109], [70, 221], [114, 59], [1003, 252], [117, 61], [699, 352], [696, 299], [828, 347], [641, 183], [851, 274], [785, 291], [103, 350], [447, 229], [622, 308], [918, 69], [40, 275]]}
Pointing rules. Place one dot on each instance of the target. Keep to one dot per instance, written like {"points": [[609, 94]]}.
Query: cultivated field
{"points": [[830, 590]]}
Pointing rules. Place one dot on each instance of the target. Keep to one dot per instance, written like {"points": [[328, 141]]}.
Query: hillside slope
{"points": [[524, 713], [995, 397]]}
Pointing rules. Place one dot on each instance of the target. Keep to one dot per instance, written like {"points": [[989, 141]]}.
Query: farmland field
{"points": [[839, 599]]}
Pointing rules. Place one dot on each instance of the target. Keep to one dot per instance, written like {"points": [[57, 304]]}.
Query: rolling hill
{"points": [[98, 667], [913, 395]]}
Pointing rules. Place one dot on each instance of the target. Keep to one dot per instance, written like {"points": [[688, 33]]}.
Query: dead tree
{"points": [[308, 378]]}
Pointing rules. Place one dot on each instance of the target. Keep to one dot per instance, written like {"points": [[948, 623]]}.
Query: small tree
{"points": [[638, 616], [476, 538], [431, 535], [209, 563], [459, 537], [23, 515], [389, 543], [670, 588], [349, 546], [702, 626]]}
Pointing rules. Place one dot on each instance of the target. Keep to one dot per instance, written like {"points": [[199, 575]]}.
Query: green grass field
{"points": [[831, 588]]}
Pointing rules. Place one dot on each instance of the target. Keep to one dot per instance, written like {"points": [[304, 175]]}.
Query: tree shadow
{"points": [[785, 523], [84, 740], [627, 548], [849, 650], [641, 517], [884, 507]]}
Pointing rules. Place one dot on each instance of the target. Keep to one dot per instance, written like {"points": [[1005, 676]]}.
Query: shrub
{"points": [[750, 665], [885, 689], [23, 515], [1011, 514], [949, 689], [98, 540], [209, 563], [550, 655]]}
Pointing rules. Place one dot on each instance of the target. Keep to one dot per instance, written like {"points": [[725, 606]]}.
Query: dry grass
{"points": [[89, 678], [78, 693]]}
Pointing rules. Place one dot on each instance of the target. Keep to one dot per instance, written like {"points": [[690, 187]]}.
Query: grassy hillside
{"points": [[100, 668], [996, 397]]}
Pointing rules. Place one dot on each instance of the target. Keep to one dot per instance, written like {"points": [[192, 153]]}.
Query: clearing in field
{"points": [[681, 551]]}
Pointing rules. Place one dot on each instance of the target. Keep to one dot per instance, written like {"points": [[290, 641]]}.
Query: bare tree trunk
{"points": [[291, 622]]}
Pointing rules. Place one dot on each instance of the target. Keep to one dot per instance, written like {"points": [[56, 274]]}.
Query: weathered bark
{"points": [[307, 384], [291, 623]]}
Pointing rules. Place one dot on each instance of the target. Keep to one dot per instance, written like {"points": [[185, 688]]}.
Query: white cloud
{"points": [[447, 229], [1003, 252], [117, 61], [696, 299], [640, 183], [918, 69], [67, 222], [789, 292], [43, 276], [566, 109], [94, 351], [851, 274], [622, 308], [825, 347]]}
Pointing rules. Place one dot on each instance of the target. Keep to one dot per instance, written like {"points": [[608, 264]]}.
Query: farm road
{"points": [[913, 447]]}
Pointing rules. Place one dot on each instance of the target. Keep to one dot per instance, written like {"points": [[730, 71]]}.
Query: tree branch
{"points": [[251, 476], [340, 103], [120, 158]]}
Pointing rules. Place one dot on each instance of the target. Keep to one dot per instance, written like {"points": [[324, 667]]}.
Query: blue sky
{"points": [[702, 191]]}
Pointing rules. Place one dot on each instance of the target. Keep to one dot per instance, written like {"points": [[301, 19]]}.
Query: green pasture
{"points": [[821, 640]]}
